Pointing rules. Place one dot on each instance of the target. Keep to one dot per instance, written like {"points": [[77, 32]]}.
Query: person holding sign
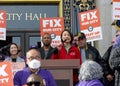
{"points": [[33, 60]]}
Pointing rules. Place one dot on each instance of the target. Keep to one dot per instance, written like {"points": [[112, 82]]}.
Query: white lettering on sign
{"points": [[88, 16], [34, 16], [1, 16], [2, 70], [52, 23], [13, 16], [4, 80]]}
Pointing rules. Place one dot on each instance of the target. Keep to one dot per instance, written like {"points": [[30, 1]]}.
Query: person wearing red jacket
{"points": [[68, 50]]}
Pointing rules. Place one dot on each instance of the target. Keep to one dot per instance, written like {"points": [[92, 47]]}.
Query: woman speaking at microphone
{"points": [[67, 50]]}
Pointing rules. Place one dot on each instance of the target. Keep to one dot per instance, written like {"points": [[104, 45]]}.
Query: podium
{"points": [[61, 69]]}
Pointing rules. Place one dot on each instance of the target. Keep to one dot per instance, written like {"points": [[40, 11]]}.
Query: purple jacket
{"points": [[20, 77], [94, 82]]}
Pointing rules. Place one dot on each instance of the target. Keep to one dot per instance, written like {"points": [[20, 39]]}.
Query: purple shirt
{"points": [[20, 77], [94, 82]]}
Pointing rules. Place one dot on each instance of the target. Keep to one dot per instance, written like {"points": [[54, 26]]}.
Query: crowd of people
{"points": [[95, 70]]}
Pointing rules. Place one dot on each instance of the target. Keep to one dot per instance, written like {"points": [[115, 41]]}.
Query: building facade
{"points": [[23, 16]]}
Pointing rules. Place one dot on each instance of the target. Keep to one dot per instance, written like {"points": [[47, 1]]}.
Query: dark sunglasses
{"points": [[35, 83]]}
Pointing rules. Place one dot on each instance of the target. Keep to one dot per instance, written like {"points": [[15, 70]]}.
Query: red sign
{"points": [[2, 25], [90, 24], [53, 26], [2, 19], [116, 0], [6, 78]]}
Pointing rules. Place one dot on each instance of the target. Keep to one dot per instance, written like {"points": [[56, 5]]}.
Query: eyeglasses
{"points": [[31, 58], [33, 83]]}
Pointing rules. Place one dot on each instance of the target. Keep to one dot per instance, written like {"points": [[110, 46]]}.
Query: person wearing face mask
{"points": [[33, 60]]}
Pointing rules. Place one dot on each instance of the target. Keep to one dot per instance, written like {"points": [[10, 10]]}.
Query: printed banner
{"points": [[116, 9], [53, 26], [90, 24], [17, 66], [2, 25], [6, 78]]}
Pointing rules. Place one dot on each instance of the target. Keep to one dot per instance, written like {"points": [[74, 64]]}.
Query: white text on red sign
{"points": [[89, 16], [1, 18], [4, 74], [52, 23]]}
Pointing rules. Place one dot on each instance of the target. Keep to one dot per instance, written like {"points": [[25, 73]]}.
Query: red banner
{"points": [[6, 78]]}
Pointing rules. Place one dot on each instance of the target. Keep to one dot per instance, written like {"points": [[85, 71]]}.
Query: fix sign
{"points": [[90, 24], [6, 78], [2, 25], [116, 9], [53, 26]]}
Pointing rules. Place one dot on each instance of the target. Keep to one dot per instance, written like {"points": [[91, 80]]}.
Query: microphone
{"points": [[55, 51]]}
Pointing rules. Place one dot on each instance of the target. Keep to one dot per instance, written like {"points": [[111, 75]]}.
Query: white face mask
{"points": [[34, 64]]}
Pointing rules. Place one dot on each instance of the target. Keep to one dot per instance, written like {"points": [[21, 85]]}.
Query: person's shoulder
{"points": [[95, 82], [7, 58], [20, 59], [25, 70], [45, 71], [91, 47], [116, 50]]}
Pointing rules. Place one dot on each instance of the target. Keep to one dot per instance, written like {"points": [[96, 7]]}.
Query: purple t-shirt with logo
{"points": [[20, 77]]}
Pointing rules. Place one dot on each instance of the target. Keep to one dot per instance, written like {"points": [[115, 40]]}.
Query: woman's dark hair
{"points": [[8, 50], [71, 35]]}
